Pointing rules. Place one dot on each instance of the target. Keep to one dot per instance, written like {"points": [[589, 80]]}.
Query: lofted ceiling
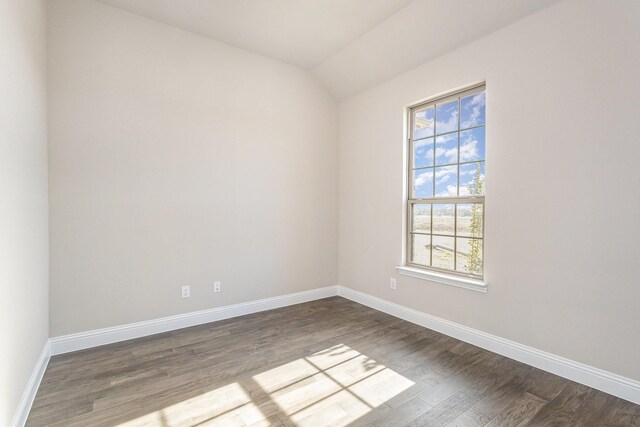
{"points": [[350, 45], [418, 33], [299, 32]]}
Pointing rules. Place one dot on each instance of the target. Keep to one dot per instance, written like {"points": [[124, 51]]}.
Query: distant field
{"points": [[443, 252], [443, 224]]}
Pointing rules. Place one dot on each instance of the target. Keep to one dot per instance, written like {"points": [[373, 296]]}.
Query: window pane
{"points": [[442, 252], [447, 165], [421, 249], [447, 117], [443, 219], [469, 220], [421, 218], [472, 110], [447, 181], [447, 149], [472, 179], [469, 255], [423, 153], [423, 123], [472, 145], [423, 183]]}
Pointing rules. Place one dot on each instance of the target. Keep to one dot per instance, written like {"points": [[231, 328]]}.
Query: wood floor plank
{"points": [[400, 416], [518, 412], [621, 413], [446, 411], [565, 408], [503, 400], [330, 362]]}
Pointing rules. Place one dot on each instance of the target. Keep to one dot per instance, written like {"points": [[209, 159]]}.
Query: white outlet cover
{"points": [[392, 283], [186, 291], [217, 286]]}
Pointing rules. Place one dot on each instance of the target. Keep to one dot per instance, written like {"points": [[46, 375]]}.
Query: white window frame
{"points": [[430, 273]]}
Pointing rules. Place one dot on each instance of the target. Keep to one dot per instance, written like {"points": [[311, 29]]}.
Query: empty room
{"points": [[319, 213]]}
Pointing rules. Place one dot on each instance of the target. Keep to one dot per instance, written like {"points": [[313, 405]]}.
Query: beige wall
{"points": [[563, 173], [177, 160], [24, 258]]}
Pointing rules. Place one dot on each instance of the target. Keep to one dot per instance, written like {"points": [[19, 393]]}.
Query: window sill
{"points": [[431, 276]]}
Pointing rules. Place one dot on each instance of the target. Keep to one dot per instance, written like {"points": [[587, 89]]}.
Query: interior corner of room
{"points": [[185, 185]]}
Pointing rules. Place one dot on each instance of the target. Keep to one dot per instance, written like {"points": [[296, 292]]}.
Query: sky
{"points": [[436, 154]]}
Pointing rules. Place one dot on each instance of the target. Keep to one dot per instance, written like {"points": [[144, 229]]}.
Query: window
{"points": [[445, 204]]}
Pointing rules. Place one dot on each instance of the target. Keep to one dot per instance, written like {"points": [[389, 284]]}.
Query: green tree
{"points": [[474, 260]]}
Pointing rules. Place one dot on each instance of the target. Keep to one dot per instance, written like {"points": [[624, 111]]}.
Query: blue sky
{"points": [[472, 110], [443, 151], [447, 117]]}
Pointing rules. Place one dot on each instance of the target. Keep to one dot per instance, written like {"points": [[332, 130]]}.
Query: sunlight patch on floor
{"points": [[332, 387], [229, 406]]}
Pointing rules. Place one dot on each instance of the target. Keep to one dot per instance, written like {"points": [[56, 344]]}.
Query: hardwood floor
{"points": [[331, 362]]}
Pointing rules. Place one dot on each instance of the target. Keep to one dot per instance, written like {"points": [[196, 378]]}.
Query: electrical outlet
{"points": [[217, 286], [186, 291], [392, 283]]}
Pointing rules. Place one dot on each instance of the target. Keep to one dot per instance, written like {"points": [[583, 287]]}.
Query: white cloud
{"points": [[423, 178], [469, 169], [478, 100], [429, 154], [444, 139], [450, 124], [445, 170], [469, 150], [420, 147], [466, 171], [443, 179], [452, 155], [476, 105], [444, 174], [451, 191], [422, 142]]}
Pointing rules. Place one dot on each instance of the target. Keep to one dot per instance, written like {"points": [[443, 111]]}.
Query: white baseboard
{"points": [[29, 394], [98, 337], [608, 382]]}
